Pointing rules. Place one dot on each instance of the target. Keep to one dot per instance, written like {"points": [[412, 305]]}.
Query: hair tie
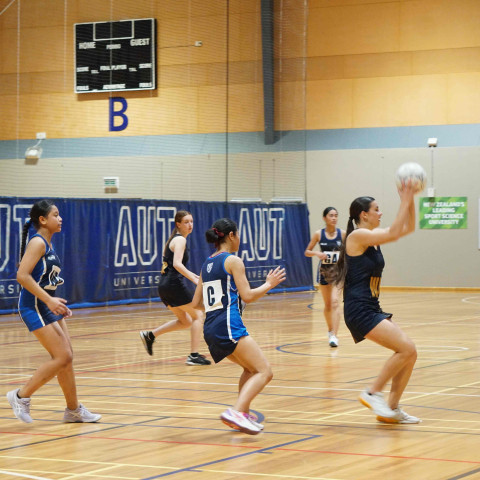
{"points": [[220, 234], [28, 222]]}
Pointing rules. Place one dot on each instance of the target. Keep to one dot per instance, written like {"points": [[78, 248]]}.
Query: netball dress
{"points": [[223, 325], [33, 312], [361, 291], [172, 287], [331, 246]]}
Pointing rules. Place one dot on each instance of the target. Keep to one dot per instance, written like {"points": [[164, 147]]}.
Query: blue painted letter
{"points": [[118, 113]]}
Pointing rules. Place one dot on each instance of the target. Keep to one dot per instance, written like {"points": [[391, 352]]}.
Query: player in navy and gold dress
{"points": [[330, 240], [175, 291], [359, 271]]}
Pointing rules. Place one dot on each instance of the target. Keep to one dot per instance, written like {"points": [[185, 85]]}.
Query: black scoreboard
{"points": [[115, 56]]}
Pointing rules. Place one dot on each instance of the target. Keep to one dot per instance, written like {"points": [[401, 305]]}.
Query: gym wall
{"points": [[359, 86]]}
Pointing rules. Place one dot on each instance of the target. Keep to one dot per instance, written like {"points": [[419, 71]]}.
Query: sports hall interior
{"points": [[359, 88]]}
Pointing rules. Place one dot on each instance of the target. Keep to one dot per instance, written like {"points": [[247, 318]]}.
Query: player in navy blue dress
{"points": [[359, 271], [44, 315], [330, 240], [175, 292], [221, 289]]}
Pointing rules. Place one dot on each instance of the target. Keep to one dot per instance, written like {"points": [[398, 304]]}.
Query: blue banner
{"points": [[111, 250]]}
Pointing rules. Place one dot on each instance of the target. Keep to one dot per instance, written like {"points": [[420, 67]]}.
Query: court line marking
{"points": [[84, 462], [276, 475], [94, 473], [374, 455], [33, 477], [226, 459], [467, 300], [223, 384], [464, 475]]}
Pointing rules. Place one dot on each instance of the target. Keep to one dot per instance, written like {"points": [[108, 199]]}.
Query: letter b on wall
{"points": [[119, 112]]}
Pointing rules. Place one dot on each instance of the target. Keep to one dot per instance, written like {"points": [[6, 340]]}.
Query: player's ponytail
{"points": [[178, 218], [219, 231], [39, 209], [359, 205], [26, 227]]}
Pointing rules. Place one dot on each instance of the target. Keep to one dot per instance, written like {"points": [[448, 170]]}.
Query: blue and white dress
{"points": [[33, 312], [223, 325]]}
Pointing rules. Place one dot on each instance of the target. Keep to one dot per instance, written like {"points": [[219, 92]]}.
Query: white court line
{"points": [[467, 300], [24, 475], [276, 475], [267, 387]]}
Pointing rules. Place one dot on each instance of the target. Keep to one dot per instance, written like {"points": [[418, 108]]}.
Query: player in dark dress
{"points": [[330, 240], [44, 315], [359, 271], [176, 294], [221, 289]]}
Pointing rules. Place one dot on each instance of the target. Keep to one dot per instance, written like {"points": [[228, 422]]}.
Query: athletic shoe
{"points": [[254, 419], [21, 406], [239, 421], [332, 340], [80, 415], [376, 402], [147, 341], [400, 417], [198, 360]]}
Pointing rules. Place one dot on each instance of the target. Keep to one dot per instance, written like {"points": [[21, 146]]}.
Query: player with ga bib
{"points": [[221, 289], [330, 240]]}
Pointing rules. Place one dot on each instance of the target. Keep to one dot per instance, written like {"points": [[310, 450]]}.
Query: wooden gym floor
{"points": [[161, 417]]}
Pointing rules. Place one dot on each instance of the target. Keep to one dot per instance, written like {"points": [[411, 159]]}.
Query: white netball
{"points": [[414, 172]]}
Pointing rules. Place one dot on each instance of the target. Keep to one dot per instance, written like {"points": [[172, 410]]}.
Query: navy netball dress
{"points": [[33, 312], [172, 287], [362, 310], [331, 246], [223, 325]]}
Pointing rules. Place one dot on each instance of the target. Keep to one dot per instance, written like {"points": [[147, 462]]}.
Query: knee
{"points": [[65, 359], [268, 374], [410, 352], [185, 322]]}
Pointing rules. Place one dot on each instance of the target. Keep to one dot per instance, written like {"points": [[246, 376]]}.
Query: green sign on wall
{"points": [[443, 212]]}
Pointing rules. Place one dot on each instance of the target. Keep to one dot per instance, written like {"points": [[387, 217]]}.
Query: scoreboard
{"points": [[115, 56]]}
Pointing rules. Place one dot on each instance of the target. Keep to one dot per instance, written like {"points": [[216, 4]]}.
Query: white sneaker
{"points": [[254, 419], [332, 340], [376, 402], [239, 421], [80, 415], [400, 417], [20, 406]]}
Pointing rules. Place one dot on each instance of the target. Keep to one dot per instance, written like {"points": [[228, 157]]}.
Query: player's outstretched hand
{"points": [[407, 190], [275, 277], [57, 305]]}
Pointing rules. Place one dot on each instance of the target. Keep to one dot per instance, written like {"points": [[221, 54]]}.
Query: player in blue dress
{"points": [[359, 271], [330, 240], [221, 289], [44, 314]]}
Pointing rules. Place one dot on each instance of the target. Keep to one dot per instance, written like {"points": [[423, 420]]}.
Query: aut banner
{"points": [[443, 212], [111, 250]]}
